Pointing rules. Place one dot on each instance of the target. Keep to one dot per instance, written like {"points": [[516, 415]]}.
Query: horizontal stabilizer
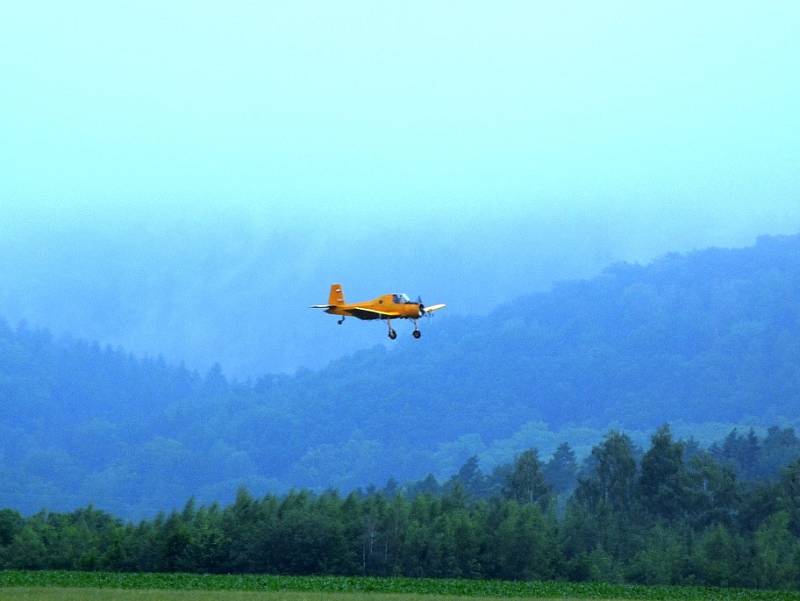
{"points": [[321, 306]]}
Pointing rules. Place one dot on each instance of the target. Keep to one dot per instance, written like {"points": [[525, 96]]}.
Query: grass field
{"points": [[89, 594], [83, 594], [69, 586]]}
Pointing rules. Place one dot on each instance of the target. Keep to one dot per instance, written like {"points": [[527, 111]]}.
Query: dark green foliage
{"points": [[663, 482], [526, 483], [790, 495], [778, 551], [655, 520], [712, 492], [10, 525], [471, 479], [560, 472], [758, 459], [611, 483], [719, 558]]}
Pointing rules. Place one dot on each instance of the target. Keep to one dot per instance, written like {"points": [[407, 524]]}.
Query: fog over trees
{"points": [[236, 292], [707, 341]]}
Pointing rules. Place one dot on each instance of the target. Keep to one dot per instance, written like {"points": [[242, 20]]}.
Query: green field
{"points": [[68, 586], [83, 594]]}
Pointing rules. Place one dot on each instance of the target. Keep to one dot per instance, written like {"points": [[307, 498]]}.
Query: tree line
{"points": [[673, 514]]}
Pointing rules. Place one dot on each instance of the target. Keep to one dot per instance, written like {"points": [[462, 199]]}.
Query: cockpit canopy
{"points": [[400, 299]]}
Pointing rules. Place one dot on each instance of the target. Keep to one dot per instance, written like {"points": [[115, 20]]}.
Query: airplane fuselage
{"points": [[384, 303]]}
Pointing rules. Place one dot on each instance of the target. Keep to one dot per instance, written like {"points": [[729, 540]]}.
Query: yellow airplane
{"points": [[388, 307]]}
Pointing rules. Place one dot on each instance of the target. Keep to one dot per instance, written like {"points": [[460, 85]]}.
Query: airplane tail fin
{"points": [[336, 296]]}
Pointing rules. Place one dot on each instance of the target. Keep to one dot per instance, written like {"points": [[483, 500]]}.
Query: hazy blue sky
{"points": [[422, 107], [524, 136]]}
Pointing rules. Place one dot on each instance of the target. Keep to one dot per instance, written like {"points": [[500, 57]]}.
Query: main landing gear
{"points": [[393, 333], [340, 321]]}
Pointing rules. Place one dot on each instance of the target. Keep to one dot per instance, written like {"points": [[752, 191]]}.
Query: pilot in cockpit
{"points": [[401, 299]]}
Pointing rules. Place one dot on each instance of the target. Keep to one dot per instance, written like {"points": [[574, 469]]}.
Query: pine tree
{"points": [[662, 484], [527, 484], [560, 472]]}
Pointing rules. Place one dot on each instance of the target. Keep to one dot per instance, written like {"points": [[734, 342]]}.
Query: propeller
{"points": [[422, 312]]}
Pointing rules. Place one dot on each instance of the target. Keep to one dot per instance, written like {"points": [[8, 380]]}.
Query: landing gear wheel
{"points": [[392, 334], [416, 333]]}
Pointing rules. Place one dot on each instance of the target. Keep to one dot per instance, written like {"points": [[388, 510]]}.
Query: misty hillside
{"points": [[234, 292], [713, 336]]}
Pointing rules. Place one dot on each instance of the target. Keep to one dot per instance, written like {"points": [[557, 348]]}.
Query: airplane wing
{"points": [[364, 313], [433, 308]]}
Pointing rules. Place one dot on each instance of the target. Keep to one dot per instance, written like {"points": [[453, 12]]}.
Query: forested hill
{"points": [[713, 336]]}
